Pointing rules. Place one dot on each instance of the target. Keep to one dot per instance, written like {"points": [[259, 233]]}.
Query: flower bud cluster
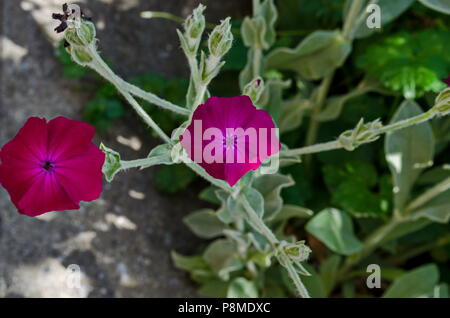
{"points": [[361, 134]]}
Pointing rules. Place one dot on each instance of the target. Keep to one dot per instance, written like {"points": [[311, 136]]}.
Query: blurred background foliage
{"points": [[409, 57]]}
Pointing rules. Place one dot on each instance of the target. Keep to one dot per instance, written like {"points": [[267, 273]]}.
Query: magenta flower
{"points": [[228, 137], [51, 166], [446, 81]]}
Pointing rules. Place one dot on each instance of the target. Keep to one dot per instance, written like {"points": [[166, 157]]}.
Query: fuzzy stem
{"points": [[129, 88], [429, 194], [261, 227], [332, 145]]}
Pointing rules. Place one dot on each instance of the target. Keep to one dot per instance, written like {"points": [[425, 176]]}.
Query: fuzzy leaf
{"points": [[204, 223], [408, 152], [316, 56], [242, 288], [335, 229], [222, 256], [438, 5], [416, 283]]}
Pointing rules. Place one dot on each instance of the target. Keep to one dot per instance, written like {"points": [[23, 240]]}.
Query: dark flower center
{"points": [[47, 165]]}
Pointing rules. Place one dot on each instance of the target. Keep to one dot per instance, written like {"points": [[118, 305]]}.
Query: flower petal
{"points": [[45, 195], [81, 176], [68, 138]]}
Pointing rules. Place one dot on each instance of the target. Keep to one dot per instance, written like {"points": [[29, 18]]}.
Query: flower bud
{"points": [[442, 103], [298, 252], [112, 163], [361, 134], [221, 39], [194, 26], [254, 89]]}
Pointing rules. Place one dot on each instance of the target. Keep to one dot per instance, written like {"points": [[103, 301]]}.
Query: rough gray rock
{"points": [[121, 242]]}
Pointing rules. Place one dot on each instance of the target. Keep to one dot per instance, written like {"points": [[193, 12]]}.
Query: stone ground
{"points": [[121, 242]]}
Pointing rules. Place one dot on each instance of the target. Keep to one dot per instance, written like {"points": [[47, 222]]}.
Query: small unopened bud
{"points": [[221, 39], [254, 89], [112, 163], [194, 26], [442, 103], [361, 134], [298, 252]]}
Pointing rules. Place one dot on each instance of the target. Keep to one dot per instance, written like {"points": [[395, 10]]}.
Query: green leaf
{"points": [[272, 97], [389, 11], [172, 179], [209, 195], [270, 186], [214, 288], [315, 57], [408, 152], [435, 210], [160, 155], [412, 64], [259, 30], [289, 211], [335, 229], [416, 283], [352, 186], [438, 5], [242, 288], [204, 223], [112, 163], [329, 271], [102, 111], [292, 113], [223, 258], [188, 263]]}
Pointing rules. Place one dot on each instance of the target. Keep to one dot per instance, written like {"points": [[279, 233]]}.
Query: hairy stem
{"points": [[261, 227], [429, 194]]}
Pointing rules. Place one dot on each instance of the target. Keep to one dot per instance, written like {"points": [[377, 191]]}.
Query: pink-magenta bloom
{"points": [[446, 81], [51, 166], [228, 137]]}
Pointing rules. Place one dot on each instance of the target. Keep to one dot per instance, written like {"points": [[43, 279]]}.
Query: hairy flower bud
{"points": [[442, 103], [297, 251], [254, 89], [361, 134], [221, 39], [194, 26]]}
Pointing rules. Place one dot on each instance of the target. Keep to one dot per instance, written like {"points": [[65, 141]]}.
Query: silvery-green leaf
{"points": [[112, 163], [224, 212], [334, 228], [259, 241], [242, 288], [315, 57], [214, 288], [408, 151], [209, 194], [329, 272], [416, 283], [255, 199], [438, 5], [270, 186], [289, 211], [292, 113], [204, 223], [389, 11], [272, 97], [435, 210], [160, 155], [188, 263], [222, 256], [268, 11]]}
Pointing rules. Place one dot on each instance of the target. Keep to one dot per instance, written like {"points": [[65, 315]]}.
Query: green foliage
{"points": [[356, 188], [411, 64], [171, 179], [335, 229], [408, 152], [417, 283]]}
